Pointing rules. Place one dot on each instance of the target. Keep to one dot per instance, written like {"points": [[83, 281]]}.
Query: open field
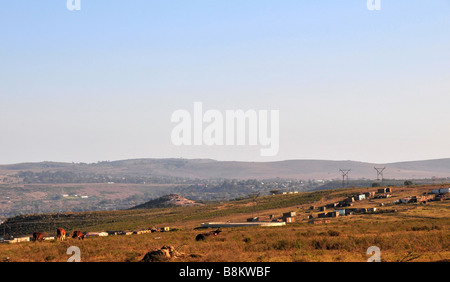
{"points": [[403, 232]]}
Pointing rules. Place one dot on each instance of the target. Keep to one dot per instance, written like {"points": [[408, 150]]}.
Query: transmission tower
{"points": [[380, 173], [344, 176]]}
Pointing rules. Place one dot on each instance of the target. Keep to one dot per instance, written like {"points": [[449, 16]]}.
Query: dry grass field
{"points": [[415, 232]]}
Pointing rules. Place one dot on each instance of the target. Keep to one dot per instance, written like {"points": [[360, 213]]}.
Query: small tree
{"points": [[408, 183]]}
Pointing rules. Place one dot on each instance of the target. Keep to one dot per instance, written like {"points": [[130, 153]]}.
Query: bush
{"points": [[282, 245], [333, 233]]}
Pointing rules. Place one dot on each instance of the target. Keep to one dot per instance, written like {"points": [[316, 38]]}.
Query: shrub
{"points": [[333, 233], [282, 245]]}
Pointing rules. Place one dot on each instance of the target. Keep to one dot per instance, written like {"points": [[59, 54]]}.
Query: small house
{"points": [[444, 190], [289, 219], [333, 214], [361, 197], [332, 205], [382, 191], [289, 214], [350, 199], [405, 200], [341, 212], [369, 194]]}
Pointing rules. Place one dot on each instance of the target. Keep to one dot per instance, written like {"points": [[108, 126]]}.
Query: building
{"points": [[96, 234], [341, 212], [350, 199], [405, 200], [361, 197], [289, 219], [333, 214], [332, 205], [289, 214], [444, 190]]}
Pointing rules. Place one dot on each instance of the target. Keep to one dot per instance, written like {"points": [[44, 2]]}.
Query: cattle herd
{"points": [[60, 235]]}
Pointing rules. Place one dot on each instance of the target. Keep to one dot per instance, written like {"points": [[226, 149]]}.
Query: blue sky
{"points": [[101, 83]]}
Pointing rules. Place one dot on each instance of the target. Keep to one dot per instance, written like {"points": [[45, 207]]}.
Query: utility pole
{"points": [[253, 196], [380, 173], [344, 176]]}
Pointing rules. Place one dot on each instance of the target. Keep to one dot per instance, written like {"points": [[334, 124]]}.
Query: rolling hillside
{"points": [[403, 232], [212, 169]]}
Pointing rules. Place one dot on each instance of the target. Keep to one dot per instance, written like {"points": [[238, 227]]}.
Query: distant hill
{"points": [[172, 200], [212, 169]]}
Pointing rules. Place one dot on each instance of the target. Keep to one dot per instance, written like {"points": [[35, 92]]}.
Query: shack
{"points": [[289, 219], [361, 197], [289, 214], [341, 212]]}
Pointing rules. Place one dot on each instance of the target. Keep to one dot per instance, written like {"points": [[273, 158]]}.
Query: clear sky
{"points": [[102, 83]]}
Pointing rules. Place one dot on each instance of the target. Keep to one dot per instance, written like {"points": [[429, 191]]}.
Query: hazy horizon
{"points": [[102, 83], [260, 161]]}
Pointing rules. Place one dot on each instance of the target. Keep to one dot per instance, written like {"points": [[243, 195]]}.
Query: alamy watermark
{"points": [[73, 5], [212, 127], [75, 252], [375, 252], [374, 5]]}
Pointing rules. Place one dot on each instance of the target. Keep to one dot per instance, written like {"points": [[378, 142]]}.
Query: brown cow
{"points": [[38, 236], [60, 234], [78, 234]]}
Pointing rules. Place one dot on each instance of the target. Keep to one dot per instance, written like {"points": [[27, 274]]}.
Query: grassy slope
{"points": [[415, 232]]}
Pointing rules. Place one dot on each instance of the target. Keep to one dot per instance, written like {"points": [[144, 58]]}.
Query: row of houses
{"points": [[288, 217], [349, 202], [436, 195], [91, 234], [345, 212]]}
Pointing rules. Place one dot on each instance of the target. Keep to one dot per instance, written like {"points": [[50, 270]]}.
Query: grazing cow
{"points": [[203, 236], [38, 236], [60, 234], [78, 234]]}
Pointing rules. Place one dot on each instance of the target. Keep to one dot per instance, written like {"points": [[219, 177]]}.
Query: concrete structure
{"points": [[19, 240], [240, 224], [96, 234]]}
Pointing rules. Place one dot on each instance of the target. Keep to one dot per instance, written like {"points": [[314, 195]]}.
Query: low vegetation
{"points": [[415, 232]]}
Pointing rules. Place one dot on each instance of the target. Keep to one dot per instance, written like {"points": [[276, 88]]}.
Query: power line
{"points": [[380, 173], [344, 176]]}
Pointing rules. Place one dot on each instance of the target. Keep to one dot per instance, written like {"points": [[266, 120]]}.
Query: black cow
{"points": [[203, 236]]}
